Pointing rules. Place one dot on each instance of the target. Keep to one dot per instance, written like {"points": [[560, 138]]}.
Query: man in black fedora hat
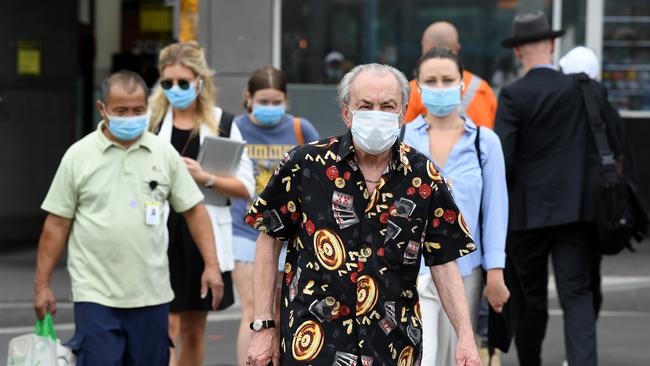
{"points": [[550, 163]]}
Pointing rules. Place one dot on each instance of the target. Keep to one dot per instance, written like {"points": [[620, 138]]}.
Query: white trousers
{"points": [[438, 335]]}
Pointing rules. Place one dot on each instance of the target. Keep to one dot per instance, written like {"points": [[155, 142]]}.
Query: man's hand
{"points": [[452, 296], [44, 302], [263, 349], [496, 291], [211, 279], [466, 351], [50, 246]]}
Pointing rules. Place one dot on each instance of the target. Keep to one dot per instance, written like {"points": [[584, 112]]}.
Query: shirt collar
{"points": [[543, 66], [144, 141], [346, 148], [420, 125]]}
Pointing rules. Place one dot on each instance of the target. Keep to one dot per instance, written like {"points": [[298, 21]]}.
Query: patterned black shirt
{"points": [[349, 293]]}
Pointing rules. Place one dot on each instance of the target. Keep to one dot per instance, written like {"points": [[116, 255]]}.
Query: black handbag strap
{"points": [[225, 127], [596, 123], [477, 145]]}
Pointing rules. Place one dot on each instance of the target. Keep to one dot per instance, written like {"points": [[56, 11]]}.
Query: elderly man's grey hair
{"points": [[346, 82]]}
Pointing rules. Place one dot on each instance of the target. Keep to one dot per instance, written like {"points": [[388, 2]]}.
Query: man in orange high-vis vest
{"points": [[478, 103]]}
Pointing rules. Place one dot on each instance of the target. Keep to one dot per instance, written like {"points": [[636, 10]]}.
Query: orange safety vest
{"points": [[478, 103]]}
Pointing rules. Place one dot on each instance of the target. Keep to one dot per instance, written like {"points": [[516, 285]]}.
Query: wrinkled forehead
{"points": [[376, 88], [125, 95]]}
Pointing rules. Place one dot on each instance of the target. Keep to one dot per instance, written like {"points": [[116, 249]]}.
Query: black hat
{"points": [[530, 27]]}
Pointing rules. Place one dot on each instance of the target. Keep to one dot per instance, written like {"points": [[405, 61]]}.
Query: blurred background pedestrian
{"points": [[183, 111], [478, 184], [270, 133]]}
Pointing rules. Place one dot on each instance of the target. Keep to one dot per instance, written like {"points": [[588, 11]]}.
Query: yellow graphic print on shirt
{"points": [[265, 159]]}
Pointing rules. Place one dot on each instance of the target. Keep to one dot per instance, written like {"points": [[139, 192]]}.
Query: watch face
{"points": [[257, 324]]}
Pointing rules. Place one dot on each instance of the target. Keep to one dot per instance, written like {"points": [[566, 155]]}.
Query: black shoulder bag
{"points": [[620, 216]]}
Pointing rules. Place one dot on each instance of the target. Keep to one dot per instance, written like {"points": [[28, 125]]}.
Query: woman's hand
{"points": [[496, 291], [199, 175]]}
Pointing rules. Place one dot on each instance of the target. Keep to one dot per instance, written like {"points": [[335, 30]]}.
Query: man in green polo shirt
{"points": [[106, 202]]}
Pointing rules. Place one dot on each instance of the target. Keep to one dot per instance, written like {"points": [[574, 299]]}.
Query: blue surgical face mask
{"points": [[182, 98], [268, 115], [127, 128], [440, 101]]}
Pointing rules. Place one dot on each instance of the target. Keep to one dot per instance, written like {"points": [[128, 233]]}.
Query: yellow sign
{"points": [[188, 20], [156, 19], [28, 62]]}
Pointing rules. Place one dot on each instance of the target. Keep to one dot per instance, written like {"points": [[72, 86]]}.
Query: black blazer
{"points": [[551, 159]]}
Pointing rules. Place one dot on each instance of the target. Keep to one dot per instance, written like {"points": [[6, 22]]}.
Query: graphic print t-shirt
{"points": [[266, 148]]}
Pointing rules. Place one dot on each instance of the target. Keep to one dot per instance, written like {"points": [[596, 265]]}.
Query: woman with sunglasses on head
{"points": [[269, 132], [454, 143], [183, 112]]}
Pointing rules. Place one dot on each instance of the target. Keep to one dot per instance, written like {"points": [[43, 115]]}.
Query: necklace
{"points": [[371, 181]]}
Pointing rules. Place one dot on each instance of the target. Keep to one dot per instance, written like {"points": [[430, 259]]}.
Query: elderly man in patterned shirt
{"points": [[359, 211]]}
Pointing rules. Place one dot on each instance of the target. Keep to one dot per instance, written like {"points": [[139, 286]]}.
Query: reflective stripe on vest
{"points": [[470, 93]]}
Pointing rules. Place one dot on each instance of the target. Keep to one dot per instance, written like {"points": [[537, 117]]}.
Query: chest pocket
{"points": [[156, 186], [403, 236]]}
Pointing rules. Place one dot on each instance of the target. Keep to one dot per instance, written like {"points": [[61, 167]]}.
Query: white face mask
{"points": [[374, 131]]}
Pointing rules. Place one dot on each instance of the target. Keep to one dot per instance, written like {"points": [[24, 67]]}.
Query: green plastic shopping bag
{"points": [[45, 328], [41, 348]]}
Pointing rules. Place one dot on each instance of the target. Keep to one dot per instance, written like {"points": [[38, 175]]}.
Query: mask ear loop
{"points": [[351, 115], [105, 110]]}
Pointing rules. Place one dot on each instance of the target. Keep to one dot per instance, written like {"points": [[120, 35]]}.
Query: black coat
{"points": [[551, 159]]}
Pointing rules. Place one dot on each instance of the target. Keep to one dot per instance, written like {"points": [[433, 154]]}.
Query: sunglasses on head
{"points": [[182, 83]]}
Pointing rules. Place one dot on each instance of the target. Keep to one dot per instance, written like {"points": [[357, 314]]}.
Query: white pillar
{"points": [[594, 32], [108, 25], [556, 23], [276, 37]]}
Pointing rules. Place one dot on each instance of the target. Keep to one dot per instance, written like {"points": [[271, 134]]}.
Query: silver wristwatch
{"points": [[260, 324], [210, 183]]}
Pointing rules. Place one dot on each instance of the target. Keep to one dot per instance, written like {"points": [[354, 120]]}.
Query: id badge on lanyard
{"points": [[153, 208]]}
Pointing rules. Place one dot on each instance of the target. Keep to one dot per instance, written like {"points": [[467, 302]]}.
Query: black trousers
{"points": [[572, 250]]}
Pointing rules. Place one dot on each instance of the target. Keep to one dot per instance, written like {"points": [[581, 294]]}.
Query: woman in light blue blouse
{"points": [[449, 140]]}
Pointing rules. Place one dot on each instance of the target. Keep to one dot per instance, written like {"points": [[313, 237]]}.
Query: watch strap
{"points": [[266, 324]]}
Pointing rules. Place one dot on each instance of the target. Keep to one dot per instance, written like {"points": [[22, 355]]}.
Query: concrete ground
{"points": [[622, 329]]}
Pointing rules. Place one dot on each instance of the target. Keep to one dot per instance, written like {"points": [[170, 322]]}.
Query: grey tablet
{"points": [[220, 156]]}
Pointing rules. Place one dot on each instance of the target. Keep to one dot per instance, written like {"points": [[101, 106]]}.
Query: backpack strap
{"points": [[297, 128], [225, 124], [402, 131], [596, 123]]}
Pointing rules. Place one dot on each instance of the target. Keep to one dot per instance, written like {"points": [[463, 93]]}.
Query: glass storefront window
{"points": [[322, 39], [626, 53], [574, 24]]}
